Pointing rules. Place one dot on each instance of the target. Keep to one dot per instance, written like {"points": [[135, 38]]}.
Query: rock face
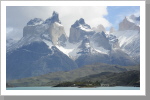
{"points": [[90, 55], [99, 28], [127, 25], [85, 47], [56, 31], [101, 40], [54, 18], [119, 57], [113, 41], [35, 21], [51, 28], [62, 39], [78, 30], [88, 59]]}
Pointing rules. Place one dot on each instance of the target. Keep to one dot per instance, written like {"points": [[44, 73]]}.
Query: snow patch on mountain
{"points": [[129, 42], [70, 49], [85, 28], [48, 43], [126, 36], [134, 19], [35, 21], [58, 24], [24, 41], [64, 50], [99, 49], [10, 42]]}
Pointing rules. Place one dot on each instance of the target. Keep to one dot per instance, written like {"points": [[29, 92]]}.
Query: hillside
{"points": [[128, 78], [52, 79]]}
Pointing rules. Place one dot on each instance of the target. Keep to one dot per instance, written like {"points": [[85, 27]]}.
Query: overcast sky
{"points": [[17, 17]]}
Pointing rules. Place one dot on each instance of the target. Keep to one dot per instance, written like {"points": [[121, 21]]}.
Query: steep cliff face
{"points": [[78, 30], [128, 25], [101, 40], [113, 41], [51, 28], [56, 30]]}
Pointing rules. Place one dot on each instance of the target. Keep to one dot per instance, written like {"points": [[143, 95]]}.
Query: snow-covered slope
{"points": [[10, 42], [129, 41], [129, 36], [70, 49], [134, 19]]}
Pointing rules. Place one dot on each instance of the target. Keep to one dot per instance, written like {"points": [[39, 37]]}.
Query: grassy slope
{"points": [[128, 78], [52, 79], [119, 79]]}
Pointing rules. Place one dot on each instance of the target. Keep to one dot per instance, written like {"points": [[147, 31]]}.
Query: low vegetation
{"points": [[129, 78], [103, 73]]}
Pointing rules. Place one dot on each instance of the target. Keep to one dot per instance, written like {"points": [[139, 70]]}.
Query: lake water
{"points": [[74, 88]]}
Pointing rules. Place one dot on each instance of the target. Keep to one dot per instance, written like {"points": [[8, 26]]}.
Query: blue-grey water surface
{"points": [[74, 88]]}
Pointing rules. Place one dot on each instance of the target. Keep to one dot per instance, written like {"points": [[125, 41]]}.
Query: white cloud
{"points": [[14, 33], [92, 15], [17, 17]]}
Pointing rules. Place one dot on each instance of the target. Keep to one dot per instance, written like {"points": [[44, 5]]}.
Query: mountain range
{"points": [[45, 47]]}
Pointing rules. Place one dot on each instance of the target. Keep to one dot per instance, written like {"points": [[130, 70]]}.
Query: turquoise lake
{"points": [[74, 88]]}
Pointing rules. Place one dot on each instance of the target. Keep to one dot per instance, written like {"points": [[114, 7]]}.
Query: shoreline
{"points": [[69, 86]]}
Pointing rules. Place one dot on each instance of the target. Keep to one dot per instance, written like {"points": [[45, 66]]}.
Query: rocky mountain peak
{"points": [[54, 18], [51, 29], [55, 13], [125, 19], [86, 40], [35, 21], [78, 30], [81, 21], [128, 24], [101, 40], [85, 46], [76, 24]]}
